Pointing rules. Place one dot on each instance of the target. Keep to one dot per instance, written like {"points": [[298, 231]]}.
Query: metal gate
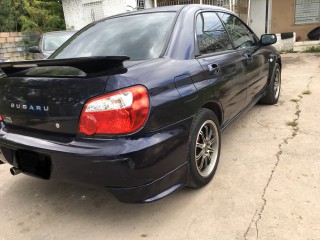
{"points": [[177, 2], [229, 4]]}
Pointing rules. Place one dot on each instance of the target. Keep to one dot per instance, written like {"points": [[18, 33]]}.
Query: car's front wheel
{"points": [[273, 90], [203, 148]]}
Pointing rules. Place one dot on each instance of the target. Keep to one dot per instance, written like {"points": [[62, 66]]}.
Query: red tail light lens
{"points": [[120, 112]]}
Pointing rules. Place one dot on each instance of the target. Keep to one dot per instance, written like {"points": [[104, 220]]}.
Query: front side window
{"points": [[211, 35], [241, 36], [140, 37]]}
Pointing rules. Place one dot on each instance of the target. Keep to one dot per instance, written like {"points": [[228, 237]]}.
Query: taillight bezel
{"points": [[110, 94]]}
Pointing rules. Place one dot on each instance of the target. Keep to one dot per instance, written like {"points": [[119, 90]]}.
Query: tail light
{"points": [[121, 112]]}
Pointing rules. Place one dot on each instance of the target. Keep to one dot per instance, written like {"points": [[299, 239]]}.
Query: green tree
{"points": [[31, 15], [40, 15], [8, 19]]}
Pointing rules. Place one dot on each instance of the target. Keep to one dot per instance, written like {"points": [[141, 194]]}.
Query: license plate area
{"points": [[34, 163]]}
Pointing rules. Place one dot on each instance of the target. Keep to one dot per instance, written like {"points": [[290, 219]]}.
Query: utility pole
{"points": [[249, 13], [267, 16]]}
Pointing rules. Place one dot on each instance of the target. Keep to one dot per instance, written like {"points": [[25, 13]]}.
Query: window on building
{"points": [[92, 11], [141, 4], [307, 11], [220, 3], [211, 35]]}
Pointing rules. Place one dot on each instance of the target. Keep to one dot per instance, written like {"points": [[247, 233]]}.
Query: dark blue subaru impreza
{"points": [[136, 103]]}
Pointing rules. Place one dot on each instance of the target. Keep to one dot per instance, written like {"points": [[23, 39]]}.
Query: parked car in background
{"points": [[49, 42], [136, 102]]}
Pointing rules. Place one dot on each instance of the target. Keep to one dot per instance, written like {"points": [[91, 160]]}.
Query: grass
{"points": [[293, 123], [287, 51], [313, 49], [306, 92], [295, 100]]}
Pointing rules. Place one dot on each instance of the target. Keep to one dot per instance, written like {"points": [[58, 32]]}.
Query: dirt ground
{"points": [[266, 186]]}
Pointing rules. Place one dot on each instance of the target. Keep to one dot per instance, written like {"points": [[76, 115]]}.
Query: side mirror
{"points": [[34, 49], [268, 39]]}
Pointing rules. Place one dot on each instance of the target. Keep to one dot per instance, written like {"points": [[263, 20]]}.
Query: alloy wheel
{"points": [[206, 149]]}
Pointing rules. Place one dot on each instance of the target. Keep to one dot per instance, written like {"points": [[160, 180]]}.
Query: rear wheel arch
{"points": [[216, 108]]}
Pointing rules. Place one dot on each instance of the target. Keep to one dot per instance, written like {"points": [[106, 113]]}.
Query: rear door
{"points": [[223, 66], [255, 59]]}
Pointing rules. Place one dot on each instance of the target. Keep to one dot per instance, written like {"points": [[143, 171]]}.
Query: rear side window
{"points": [[211, 34], [241, 36], [140, 37]]}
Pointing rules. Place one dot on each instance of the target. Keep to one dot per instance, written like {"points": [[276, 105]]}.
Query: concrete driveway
{"points": [[267, 185]]}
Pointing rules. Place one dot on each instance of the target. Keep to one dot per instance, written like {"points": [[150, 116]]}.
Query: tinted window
{"points": [[241, 36], [211, 35], [139, 37]]}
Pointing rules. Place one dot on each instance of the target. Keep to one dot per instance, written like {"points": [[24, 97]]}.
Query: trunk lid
{"points": [[48, 95]]}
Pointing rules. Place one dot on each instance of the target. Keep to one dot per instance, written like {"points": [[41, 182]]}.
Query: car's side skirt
{"points": [[245, 109]]}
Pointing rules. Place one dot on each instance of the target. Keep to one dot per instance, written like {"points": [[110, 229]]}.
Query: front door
{"points": [[222, 64], [254, 57]]}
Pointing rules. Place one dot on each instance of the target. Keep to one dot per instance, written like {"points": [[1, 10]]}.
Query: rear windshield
{"points": [[139, 37]]}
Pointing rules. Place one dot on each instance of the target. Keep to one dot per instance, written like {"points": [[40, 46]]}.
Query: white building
{"points": [[79, 13]]}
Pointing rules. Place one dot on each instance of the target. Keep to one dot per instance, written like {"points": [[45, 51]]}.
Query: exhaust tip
{"points": [[15, 171]]}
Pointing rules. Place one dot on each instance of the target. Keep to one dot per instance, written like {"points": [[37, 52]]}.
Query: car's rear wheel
{"points": [[203, 148], [273, 90]]}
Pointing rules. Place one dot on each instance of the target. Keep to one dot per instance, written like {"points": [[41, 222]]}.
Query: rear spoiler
{"points": [[88, 65]]}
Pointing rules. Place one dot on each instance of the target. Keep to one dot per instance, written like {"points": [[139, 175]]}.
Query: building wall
{"points": [[283, 13], [11, 46], [74, 10], [111, 7], [149, 4]]}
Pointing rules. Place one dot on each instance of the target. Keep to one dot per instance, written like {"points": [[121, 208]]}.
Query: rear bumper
{"points": [[133, 169]]}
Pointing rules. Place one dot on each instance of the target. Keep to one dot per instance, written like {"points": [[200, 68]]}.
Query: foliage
{"points": [[41, 16], [30, 39], [313, 49], [31, 15], [8, 20]]}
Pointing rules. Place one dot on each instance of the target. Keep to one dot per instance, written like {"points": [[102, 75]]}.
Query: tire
{"points": [[314, 34], [273, 90], [203, 148]]}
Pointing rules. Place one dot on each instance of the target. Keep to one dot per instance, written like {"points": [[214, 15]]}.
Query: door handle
{"points": [[248, 57], [214, 69]]}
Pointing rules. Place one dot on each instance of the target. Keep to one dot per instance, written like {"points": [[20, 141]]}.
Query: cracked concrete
{"points": [[301, 151], [295, 129], [266, 186]]}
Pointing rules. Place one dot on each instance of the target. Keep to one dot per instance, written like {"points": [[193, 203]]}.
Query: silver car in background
{"points": [[49, 42]]}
